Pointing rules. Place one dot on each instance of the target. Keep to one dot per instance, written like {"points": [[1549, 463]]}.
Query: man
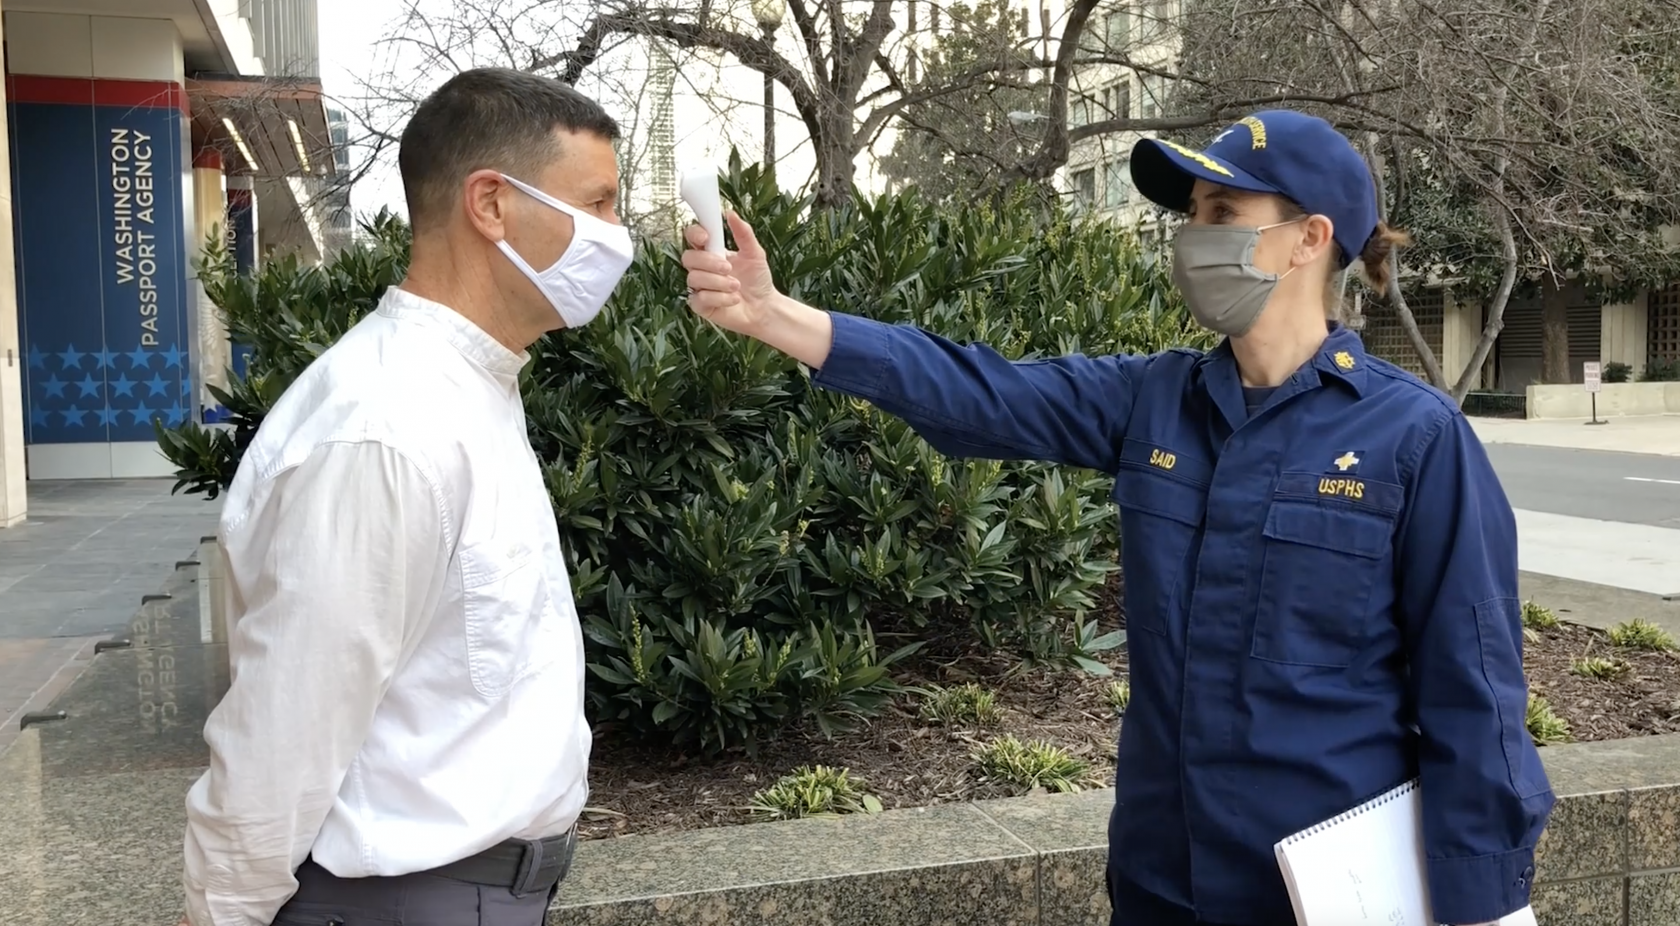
{"points": [[404, 736]]}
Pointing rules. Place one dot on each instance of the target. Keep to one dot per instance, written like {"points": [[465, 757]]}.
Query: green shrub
{"points": [[1617, 372], [1119, 695], [1544, 725], [965, 704], [1661, 371], [1641, 634], [817, 791], [1031, 765], [1599, 667], [739, 540], [1536, 617]]}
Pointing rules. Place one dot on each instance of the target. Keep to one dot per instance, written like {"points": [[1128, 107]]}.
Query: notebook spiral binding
{"points": [[1347, 815]]}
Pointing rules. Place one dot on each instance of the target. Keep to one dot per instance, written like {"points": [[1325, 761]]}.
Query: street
{"points": [[1595, 516], [1636, 488]]}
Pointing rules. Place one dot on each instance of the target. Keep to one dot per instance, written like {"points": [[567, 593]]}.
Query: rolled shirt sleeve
{"points": [[1485, 794], [333, 575], [969, 401]]}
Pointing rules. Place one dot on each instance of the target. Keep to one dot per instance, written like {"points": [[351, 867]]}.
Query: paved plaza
{"points": [[74, 573]]}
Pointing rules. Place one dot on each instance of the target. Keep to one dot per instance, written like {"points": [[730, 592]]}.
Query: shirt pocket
{"points": [[1162, 495], [1328, 542], [509, 614]]}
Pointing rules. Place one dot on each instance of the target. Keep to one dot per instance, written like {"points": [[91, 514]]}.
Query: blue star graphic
{"points": [[89, 386], [157, 385], [106, 359], [38, 418], [138, 358], [176, 414], [123, 386], [172, 357], [55, 387], [137, 415], [71, 357], [73, 417], [107, 416], [37, 359]]}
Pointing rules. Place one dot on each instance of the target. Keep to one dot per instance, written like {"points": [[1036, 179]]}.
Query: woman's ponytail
{"points": [[1382, 243]]}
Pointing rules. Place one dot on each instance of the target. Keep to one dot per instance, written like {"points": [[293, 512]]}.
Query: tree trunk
{"points": [[834, 158], [1554, 336]]}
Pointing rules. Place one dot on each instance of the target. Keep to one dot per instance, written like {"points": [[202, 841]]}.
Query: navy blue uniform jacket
{"points": [[1321, 601]]}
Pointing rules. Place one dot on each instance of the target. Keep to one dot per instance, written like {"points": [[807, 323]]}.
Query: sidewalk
{"points": [[73, 573], [1655, 434]]}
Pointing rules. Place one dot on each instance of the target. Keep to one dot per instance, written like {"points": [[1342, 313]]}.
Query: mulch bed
{"points": [[908, 762], [1643, 701]]}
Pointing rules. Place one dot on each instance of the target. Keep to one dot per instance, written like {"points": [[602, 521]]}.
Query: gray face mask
{"points": [[1213, 266]]}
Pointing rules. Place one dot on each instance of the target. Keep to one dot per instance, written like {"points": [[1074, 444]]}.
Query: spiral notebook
{"points": [[1365, 866]]}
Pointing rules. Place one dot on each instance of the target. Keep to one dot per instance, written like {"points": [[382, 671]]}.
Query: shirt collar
{"points": [[1342, 357], [472, 341]]}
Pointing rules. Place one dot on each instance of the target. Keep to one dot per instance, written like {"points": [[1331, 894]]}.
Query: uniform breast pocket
{"points": [[509, 615], [1163, 500], [1328, 544]]}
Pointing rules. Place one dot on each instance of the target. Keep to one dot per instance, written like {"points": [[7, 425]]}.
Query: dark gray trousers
{"points": [[324, 899]]}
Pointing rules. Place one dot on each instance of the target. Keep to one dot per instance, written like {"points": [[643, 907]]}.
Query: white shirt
{"points": [[407, 661]]}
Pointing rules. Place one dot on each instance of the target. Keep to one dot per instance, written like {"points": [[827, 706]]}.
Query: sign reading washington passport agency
{"points": [[142, 221]]}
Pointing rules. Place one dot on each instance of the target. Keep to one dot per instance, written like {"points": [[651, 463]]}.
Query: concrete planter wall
{"points": [[1611, 857], [1617, 400]]}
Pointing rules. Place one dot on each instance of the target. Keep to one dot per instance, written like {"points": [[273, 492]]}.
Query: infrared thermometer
{"points": [[699, 190]]}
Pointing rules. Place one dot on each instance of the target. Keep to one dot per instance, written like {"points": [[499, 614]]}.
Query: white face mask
{"points": [[581, 281]]}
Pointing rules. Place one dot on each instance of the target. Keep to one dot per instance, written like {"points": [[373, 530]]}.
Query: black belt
{"points": [[523, 866]]}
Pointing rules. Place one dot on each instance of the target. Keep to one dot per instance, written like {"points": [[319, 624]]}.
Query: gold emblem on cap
{"points": [[1198, 157], [1343, 359]]}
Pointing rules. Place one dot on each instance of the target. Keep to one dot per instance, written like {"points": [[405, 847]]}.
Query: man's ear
{"points": [[485, 199]]}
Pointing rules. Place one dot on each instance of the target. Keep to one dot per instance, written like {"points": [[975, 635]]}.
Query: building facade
{"points": [[1640, 333], [136, 130]]}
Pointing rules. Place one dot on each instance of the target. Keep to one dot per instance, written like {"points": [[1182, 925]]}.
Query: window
{"points": [[1151, 94], [1158, 18], [1116, 177], [1117, 101], [1118, 29], [1079, 111], [1084, 189]]}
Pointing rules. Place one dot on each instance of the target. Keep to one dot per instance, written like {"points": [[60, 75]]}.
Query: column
{"points": [[13, 503], [1623, 333], [97, 111], [212, 356], [1461, 329]]}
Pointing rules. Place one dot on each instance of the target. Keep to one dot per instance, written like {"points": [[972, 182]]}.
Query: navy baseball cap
{"points": [[1299, 157]]}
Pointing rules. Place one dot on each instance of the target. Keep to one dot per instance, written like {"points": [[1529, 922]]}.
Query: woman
{"points": [[1321, 575]]}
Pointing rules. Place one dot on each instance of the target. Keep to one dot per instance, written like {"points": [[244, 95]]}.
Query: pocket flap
{"points": [[1342, 528], [1165, 496]]}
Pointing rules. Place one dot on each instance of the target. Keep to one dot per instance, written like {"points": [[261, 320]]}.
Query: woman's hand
{"points": [[733, 291]]}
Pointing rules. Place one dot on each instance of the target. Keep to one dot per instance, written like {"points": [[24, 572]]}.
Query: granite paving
{"points": [[73, 573]]}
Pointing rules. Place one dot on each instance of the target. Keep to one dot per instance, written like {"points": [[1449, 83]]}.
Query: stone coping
{"points": [[91, 815]]}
